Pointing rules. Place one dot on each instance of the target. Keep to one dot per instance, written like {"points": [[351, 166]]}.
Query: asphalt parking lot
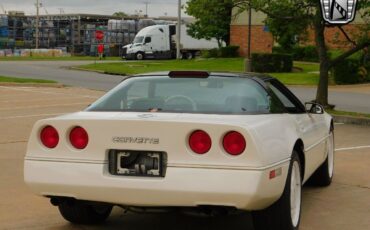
{"points": [[344, 205]]}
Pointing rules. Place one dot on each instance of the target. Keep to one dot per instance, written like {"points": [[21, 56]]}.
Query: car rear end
{"points": [[151, 160], [179, 139]]}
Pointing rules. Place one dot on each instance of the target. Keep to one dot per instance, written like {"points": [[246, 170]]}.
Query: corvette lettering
{"points": [[136, 140]]}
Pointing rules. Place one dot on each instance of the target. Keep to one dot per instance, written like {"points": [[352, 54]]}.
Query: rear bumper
{"points": [[182, 187]]}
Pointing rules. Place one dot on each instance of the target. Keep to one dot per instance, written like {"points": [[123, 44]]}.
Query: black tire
{"points": [[140, 56], [189, 55], [79, 212], [323, 176], [182, 55], [278, 216]]}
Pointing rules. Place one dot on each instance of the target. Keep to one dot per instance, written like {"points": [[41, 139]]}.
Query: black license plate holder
{"points": [[137, 163]]}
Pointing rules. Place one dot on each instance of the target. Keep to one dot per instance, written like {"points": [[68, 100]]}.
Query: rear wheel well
{"points": [[299, 148]]}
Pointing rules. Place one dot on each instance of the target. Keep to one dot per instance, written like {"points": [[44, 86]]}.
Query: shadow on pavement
{"points": [[171, 220]]}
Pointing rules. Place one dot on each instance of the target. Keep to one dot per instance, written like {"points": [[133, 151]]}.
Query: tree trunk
{"points": [[322, 90], [219, 42]]}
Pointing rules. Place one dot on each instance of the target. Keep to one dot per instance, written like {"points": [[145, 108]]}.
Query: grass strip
{"points": [[23, 80], [351, 114], [308, 76]]}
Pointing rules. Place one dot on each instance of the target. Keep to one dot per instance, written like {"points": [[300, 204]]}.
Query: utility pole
{"points": [[61, 10], [37, 23], [2, 7], [46, 11], [248, 60], [146, 8], [178, 53]]}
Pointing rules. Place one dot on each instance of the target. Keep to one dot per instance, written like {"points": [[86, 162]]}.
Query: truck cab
{"points": [[151, 42]]}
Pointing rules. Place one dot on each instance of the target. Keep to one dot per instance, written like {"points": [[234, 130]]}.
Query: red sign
{"points": [[99, 35], [100, 48]]}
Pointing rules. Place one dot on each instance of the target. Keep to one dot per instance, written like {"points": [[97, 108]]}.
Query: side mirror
{"points": [[314, 108]]}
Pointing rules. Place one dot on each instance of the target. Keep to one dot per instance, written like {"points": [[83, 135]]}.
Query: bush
{"points": [[279, 50], [334, 53], [272, 63], [223, 52], [349, 71], [300, 53], [366, 60], [212, 53], [229, 52], [305, 53]]}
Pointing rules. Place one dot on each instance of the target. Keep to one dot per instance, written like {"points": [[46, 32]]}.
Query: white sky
{"points": [[155, 7]]}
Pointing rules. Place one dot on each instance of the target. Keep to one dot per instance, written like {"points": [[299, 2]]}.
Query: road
{"points": [[346, 99], [59, 71], [353, 99], [342, 206]]}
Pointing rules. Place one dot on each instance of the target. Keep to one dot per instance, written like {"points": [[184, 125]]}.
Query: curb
{"points": [[352, 120], [39, 85], [87, 70], [97, 71]]}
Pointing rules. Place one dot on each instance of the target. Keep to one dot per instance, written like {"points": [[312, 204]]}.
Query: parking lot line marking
{"points": [[353, 148], [13, 142], [44, 92], [35, 115], [42, 106]]}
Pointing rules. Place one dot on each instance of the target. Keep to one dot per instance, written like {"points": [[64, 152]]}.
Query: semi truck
{"points": [[160, 42]]}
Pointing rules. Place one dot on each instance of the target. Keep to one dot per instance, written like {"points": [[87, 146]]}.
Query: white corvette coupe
{"points": [[215, 142]]}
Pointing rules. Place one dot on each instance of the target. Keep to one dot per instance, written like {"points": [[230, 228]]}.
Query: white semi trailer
{"points": [[160, 42]]}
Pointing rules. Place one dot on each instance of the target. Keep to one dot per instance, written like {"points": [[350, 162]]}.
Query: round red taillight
{"points": [[200, 142], [234, 143], [79, 138], [49, 137]]}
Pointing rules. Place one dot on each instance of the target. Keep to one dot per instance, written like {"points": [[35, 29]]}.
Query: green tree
{"points": [[120, 14], [212, 19], [286, 34], [302, 14]]}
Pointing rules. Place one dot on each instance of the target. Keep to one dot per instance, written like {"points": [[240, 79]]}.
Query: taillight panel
{"points": [[49, 137], [200, 142], [234, 143], [79, 138]]}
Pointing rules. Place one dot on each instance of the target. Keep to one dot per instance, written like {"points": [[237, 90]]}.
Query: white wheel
{"points": [[331, 155], [295, 194]]}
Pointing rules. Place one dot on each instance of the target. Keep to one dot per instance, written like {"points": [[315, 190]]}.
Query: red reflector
{"points": [[188, 74], [49, 137], [79, 138], [275, 173], [200, 142], [234, 143], [272, 174]]}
